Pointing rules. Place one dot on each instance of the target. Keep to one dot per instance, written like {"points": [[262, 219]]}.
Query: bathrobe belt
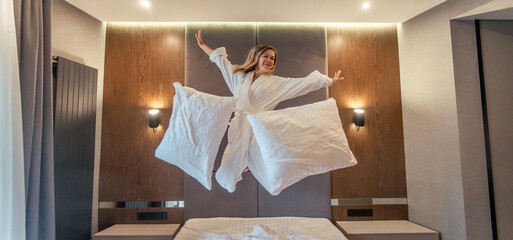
{"points": [[246, 133]]}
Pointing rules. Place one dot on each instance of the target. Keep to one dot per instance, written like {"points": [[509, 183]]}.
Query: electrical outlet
{"points": [[151, 215], [360, 212]]}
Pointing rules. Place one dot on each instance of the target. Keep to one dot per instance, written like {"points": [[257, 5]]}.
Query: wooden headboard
{"points": [[301, 50]]}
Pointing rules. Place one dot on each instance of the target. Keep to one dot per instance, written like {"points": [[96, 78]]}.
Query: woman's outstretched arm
{"points": [[287, 88], [219, 57], [202, 45]]}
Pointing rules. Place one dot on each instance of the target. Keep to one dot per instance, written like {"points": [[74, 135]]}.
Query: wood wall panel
{"points": [[380, 212], [110, 216], [368, 56], [141, 63], [143, 60]]}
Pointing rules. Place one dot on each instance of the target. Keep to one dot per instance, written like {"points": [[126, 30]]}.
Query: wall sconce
{"points": [[154, 119], [358, 118]]}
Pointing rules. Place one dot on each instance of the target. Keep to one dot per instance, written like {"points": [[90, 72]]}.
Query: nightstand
{"points": [[138, 231], [386, 230]]}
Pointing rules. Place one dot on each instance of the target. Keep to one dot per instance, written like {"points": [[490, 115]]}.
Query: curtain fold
{"points": [[35, 70], [12, 189]]}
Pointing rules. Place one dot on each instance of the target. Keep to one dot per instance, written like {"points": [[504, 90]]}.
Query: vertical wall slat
{"points": [[81, 145]]}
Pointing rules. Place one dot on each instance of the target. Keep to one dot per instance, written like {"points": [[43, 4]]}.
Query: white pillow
{"points": [[300, 141], [196, 128]]}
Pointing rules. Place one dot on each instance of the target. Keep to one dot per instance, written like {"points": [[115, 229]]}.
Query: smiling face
{"points": [[261, 59], [266, 60]]}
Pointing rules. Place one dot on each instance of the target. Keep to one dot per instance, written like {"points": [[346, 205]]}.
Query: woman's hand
{"points": [[198, 38], [202, 44], [337, 77]]}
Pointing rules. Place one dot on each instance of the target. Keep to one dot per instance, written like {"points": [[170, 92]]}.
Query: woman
{"points": [[257, 90]]}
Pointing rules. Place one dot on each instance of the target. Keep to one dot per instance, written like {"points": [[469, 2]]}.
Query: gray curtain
{"points": [[33, 23]]}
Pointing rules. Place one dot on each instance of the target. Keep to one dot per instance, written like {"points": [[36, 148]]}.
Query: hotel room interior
{"points": [[434, 78]]}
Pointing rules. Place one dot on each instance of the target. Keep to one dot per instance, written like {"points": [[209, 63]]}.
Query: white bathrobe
{"points": [[263, 95]]}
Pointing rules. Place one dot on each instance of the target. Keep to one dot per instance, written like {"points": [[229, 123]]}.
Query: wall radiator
{"points": [[74, 137]]}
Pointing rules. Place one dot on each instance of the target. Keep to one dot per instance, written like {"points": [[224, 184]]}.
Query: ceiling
{"points": [[494, 10], [380, 11]]}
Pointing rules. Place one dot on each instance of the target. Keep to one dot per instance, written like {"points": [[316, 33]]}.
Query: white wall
{"points": [[471, 130], [497, 42], [434, 174], [79, 37]]}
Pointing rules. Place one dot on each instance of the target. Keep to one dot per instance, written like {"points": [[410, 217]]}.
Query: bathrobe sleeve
{"points": [[294, 87], [220, 58]]}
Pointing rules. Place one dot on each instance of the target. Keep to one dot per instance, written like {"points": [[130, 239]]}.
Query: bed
{"points": [[301, 212], [221, 228]]}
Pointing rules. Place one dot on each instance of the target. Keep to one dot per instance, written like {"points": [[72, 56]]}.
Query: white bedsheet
{"points": [[293, 228]]}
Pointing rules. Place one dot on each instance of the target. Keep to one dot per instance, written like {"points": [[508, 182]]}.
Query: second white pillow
{"points": [[300, 141]]}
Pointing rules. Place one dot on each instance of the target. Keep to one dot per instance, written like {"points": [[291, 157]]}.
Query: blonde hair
{"points": [[252, 60]]}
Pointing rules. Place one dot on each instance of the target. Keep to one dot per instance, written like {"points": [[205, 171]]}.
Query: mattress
{"points": [[222, 228]]}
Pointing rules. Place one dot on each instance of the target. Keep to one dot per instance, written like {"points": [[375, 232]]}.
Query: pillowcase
{"points": [[196, 128], [300, 141]]}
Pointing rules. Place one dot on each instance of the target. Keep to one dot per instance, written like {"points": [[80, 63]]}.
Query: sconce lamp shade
{"points": [[358, 118], [154, 121]]}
